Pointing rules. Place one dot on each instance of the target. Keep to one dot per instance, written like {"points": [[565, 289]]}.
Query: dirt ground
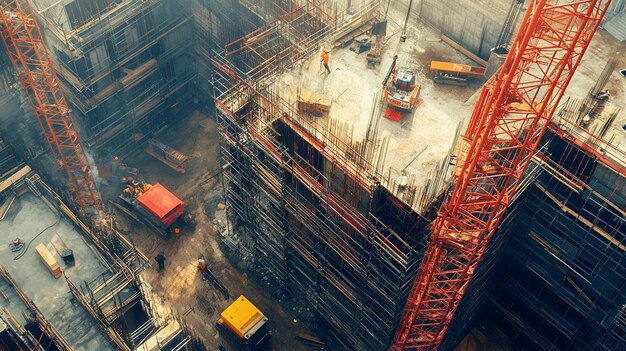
{"points": [[180, 285]]}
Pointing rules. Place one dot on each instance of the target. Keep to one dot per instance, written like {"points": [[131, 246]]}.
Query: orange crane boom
{"points": [[508, 121], [22, 38]]}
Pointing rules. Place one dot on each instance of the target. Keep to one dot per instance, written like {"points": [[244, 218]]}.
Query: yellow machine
{"points": [[400, 91], [245, 322]]}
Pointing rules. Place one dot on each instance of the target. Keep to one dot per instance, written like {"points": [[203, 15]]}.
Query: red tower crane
{"points": [[507, 123], [22, 38]]}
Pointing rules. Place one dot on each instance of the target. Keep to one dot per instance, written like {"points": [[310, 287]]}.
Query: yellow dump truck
{"points": [[245, 322]]}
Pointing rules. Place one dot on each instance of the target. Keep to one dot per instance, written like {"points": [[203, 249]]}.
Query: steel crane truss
{"points": [[508, 121], [22, 38]]}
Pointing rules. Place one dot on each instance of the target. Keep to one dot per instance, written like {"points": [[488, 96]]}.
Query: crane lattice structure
{"points": [[506, 126], [22, 38]]}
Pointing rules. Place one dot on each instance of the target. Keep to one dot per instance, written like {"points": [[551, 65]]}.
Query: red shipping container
{"points": [[162, 204]]}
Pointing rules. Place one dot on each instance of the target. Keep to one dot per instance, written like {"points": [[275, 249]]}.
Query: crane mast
{"points": [[22, 38], [506, 126]]}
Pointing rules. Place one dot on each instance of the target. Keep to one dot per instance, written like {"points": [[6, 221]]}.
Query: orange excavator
{"points": [[400, 91]]}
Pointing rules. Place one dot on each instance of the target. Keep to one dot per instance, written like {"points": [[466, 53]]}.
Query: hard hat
{"points": [[116, 158], [176, 230]]}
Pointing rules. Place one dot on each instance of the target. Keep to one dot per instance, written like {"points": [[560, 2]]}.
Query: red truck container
{"points": [[162, 204]]}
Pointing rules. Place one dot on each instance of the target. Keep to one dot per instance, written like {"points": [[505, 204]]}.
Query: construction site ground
{"points": [[180, 285], [354, 87], [431, 127]]}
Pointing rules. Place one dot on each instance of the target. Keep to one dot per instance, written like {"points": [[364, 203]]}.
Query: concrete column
{"points": [[496, 59]]}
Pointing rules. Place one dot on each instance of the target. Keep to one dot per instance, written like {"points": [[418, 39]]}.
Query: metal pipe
{"points": [[393, 66], [406, 22]]}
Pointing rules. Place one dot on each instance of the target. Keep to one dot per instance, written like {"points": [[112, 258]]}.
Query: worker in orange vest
{"points": [[325, 59]]}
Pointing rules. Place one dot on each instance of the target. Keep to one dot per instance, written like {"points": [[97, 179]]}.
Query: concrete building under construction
{"points": [[486, 214]]}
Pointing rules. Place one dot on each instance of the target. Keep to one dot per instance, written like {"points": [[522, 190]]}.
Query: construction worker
{"points": [[160, 259], [201, 265], [325, 58], [128, 191]]}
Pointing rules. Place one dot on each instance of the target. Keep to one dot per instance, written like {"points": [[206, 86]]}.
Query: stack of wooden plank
{"points": [[49, 261], [309, 101]]}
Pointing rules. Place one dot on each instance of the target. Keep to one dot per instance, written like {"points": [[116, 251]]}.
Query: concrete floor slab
{"points": [[356, 88], [33, 221], [603, 48], [434, 123]]}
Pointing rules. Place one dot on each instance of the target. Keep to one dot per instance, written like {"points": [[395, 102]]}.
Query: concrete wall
{"points": [[475, 25], [617, 6], [53, 10]]}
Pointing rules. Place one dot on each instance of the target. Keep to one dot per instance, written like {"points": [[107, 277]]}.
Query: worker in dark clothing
{"points": [[161, 261], [325, 57]]}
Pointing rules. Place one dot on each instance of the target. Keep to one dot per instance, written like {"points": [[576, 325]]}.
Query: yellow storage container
{"points": [[242, 318]]}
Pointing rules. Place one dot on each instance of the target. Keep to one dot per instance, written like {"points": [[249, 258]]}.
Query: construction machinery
{"points": [[400, 91], [512, 113], [154, 206], [245, 323], [455, 73]]}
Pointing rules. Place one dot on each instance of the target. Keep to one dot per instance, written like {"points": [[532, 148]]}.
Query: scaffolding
{"points": [[36, 318], [319, 226], [124, 66], [32, 62], [108, 297], [321, 218], [316, 209], [591, 135], [564, 260]]}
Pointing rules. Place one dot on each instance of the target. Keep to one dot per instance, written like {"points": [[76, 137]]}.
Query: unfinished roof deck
{"points": [[30, 219], [355, 89]]}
